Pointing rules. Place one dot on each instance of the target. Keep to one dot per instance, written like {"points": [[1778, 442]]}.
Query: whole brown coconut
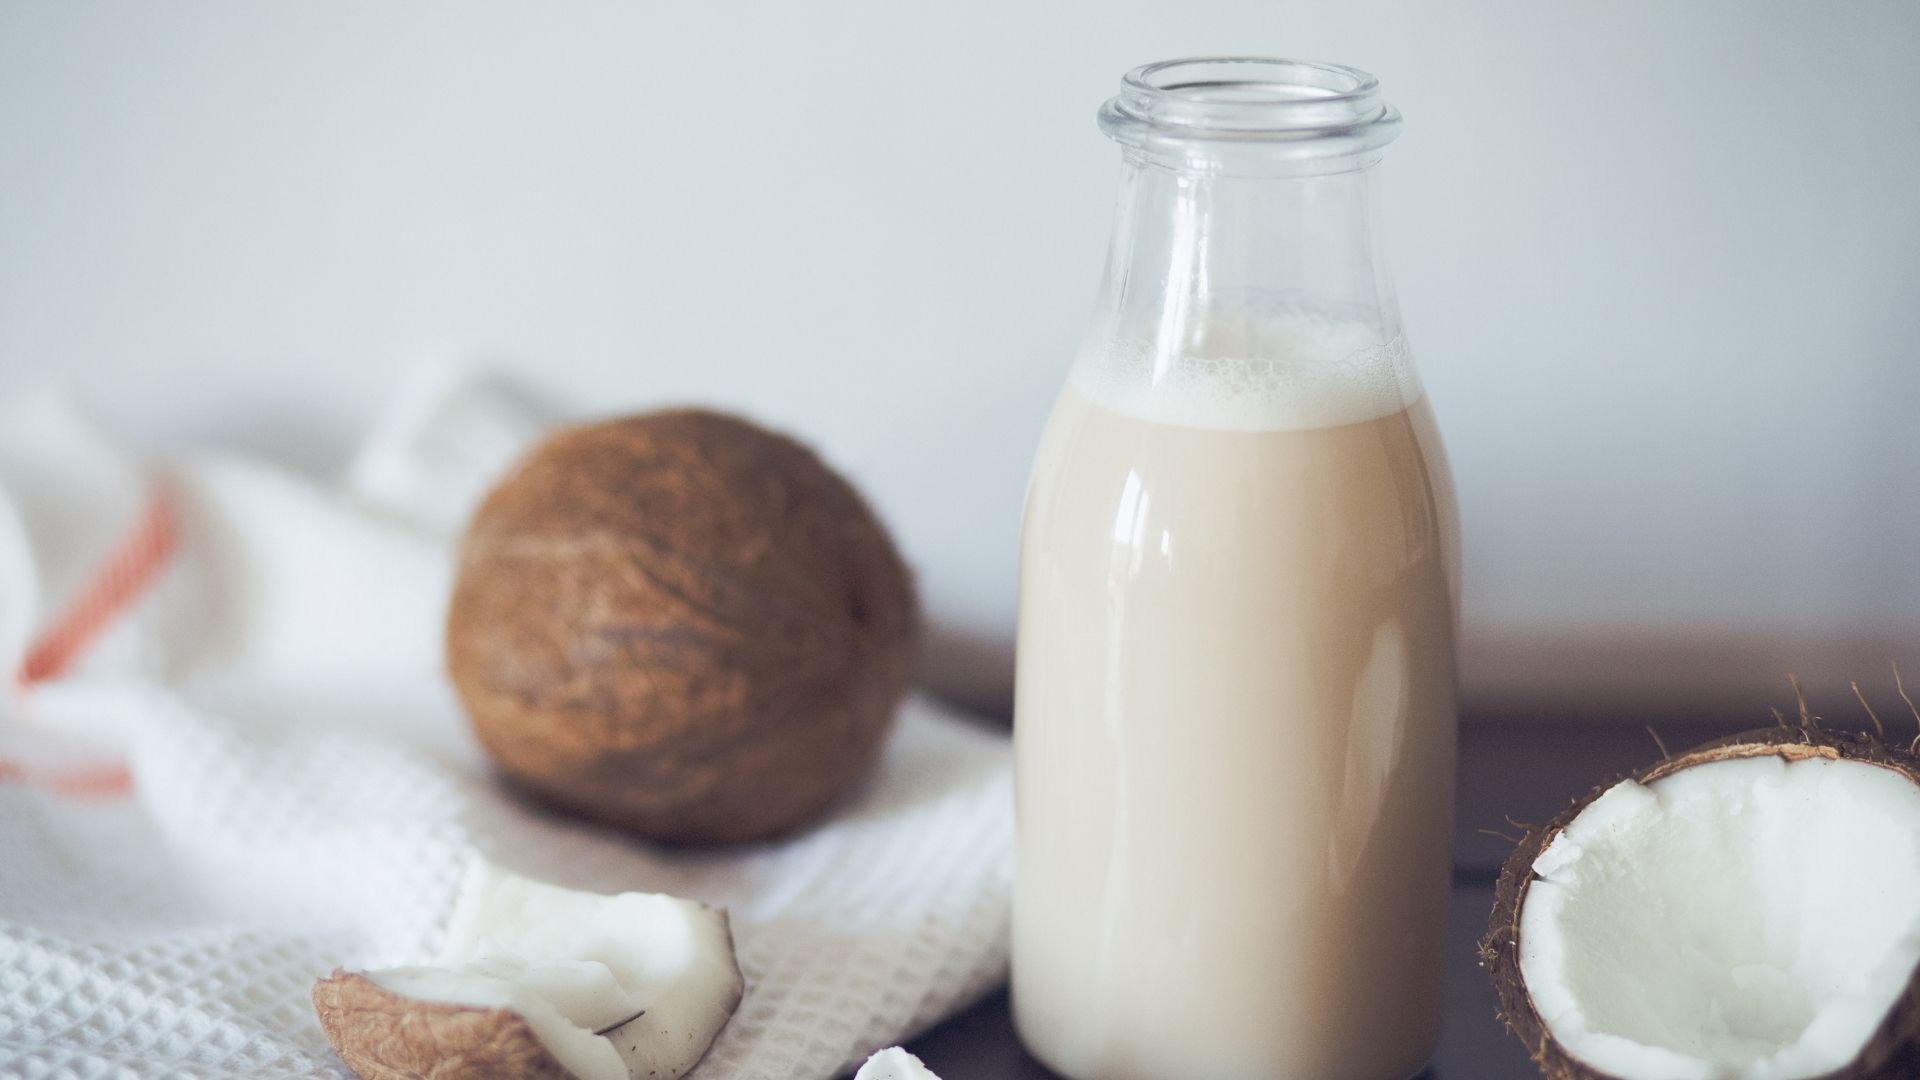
{"points": [[1893, 1051], [681, 624]]}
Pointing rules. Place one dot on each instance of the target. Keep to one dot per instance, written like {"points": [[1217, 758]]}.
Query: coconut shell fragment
{"points": [[383, 1036], [537, 980], [680, 624], [1892, 1052]]}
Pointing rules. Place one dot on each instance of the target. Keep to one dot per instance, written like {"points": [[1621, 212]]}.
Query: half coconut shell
{"points": [[1893, 1051]]}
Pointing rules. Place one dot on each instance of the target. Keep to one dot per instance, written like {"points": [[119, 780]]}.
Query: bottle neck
{"points": [[1204, 257]]}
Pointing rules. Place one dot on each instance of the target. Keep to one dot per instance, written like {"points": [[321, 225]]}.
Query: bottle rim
{"points": [[1270, 105]]}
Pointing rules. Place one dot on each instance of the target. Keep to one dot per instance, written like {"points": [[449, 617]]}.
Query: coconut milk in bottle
{"points": [[1234, 713]]}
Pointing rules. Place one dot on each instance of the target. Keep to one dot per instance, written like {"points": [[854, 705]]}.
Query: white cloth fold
{"points": [[305, 793]]}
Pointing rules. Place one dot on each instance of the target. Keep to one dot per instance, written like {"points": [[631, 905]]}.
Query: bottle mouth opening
{"points": [[1291, 108]]}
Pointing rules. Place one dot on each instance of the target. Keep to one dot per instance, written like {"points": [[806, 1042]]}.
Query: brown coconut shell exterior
{"points": [[680, 624], [381, 1035], [1893, 1053]]}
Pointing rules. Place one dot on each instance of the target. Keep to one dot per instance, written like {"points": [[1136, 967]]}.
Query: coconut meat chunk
{"points": [[893, 1063], [1743, 919], [615, 987]]}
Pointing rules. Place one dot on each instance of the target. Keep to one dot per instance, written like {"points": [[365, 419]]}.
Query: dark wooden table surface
{"points": [[1523, 766]]}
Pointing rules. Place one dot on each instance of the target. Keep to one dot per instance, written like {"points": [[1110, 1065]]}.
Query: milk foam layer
{"points": [[1255, 373]]}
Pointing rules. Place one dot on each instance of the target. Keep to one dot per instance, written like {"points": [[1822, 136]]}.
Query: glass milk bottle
{"points": [[1234, 714]]}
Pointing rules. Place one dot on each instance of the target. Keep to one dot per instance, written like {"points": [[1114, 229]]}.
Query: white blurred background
{"points": [[1660, 265]]}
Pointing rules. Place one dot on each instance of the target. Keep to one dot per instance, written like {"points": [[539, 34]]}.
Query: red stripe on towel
{"points": [[126, 573], [91, 782]]}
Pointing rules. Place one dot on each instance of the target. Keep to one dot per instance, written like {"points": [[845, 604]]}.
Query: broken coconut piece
{"points": [[894, 1063], [542, 981], [1746, 911]]}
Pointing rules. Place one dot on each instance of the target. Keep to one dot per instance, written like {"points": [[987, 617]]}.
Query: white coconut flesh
{"points": [[894, 1063], [1745, 919], [615, 987]]}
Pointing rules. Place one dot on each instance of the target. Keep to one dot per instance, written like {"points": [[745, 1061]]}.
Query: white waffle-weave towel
{"points": [[300, 790]]}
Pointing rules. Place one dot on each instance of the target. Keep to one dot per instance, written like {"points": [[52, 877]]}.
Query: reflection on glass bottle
{"points": [[1234, 717]]}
